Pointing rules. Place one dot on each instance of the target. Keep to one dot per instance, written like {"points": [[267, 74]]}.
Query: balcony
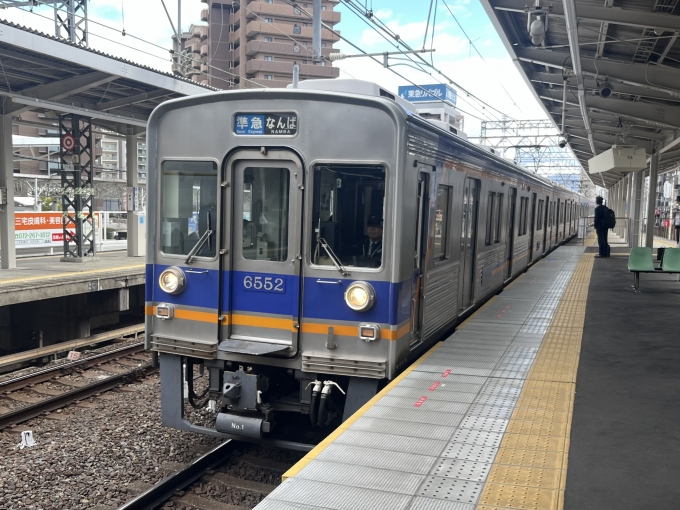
{"points": [[287, 11], [278, 29], [204, 15], [306, 70], [255, 47], [276, 84]]}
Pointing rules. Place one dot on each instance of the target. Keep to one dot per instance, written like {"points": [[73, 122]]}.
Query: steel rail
{"points": [[66, 368], [53, 403], [165, 489]]}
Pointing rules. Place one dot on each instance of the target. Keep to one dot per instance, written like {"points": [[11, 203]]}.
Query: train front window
{"points": [[347, 215], [265, 213], [189, 206]]}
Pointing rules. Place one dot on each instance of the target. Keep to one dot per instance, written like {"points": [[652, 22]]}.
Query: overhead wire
{"points": [[427, 92], [367, 19], [397, 38]]}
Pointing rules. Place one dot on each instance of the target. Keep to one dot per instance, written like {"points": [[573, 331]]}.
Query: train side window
{"points": [[489, 218], [523, 212], [265, 213], [347, 215], [441, 223], [539, 219], [188, 206], [497, 218]]}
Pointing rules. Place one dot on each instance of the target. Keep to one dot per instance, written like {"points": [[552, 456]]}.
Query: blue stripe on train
{"points": [[320, 301]]}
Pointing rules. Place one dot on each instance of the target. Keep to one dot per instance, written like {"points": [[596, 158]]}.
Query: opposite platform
{"points": [[46, 277], [480, 421]]}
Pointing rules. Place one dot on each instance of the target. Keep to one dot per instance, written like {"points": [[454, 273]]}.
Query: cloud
{"points": [[384, 13]]}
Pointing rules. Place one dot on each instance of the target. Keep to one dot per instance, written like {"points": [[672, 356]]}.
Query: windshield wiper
{"points": [[190, 256], [334, 258]]}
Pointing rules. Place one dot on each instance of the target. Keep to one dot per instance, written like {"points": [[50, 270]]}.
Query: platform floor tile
{"points": [[391, 442], [381, 459], [362, 476], [402, 428]]}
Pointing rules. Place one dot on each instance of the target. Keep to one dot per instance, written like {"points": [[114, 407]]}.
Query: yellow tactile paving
{"points": [[530, 469]]}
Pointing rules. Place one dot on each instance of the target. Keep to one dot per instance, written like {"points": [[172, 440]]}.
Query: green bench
{"points": [[640, 261]]}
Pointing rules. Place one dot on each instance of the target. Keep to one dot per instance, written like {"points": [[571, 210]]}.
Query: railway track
{"points": [[218, 479], [127, 370]]}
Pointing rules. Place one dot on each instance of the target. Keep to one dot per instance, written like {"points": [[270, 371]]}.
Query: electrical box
{"points": [[618, 160]]}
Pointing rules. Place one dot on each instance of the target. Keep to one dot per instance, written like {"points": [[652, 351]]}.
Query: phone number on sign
{"points": [[264, 283]]}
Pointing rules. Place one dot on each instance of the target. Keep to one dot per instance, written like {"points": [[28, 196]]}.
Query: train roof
{"points": [[367, 91]]}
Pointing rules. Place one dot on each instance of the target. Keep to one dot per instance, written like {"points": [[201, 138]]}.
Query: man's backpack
{"points": [[609, 218]]}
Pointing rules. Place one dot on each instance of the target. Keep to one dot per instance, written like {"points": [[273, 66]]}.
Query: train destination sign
{"points": [[273, 124]]}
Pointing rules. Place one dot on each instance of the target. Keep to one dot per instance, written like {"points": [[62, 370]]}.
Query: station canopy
{"points": [[43, 73], [621, 63]]}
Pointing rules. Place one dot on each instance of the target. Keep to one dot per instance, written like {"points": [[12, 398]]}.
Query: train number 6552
{"points": [[264, 283]]}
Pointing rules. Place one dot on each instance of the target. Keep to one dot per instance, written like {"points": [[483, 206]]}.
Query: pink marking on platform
{"points": [[434, 386], [446, 372], [420, 402]]}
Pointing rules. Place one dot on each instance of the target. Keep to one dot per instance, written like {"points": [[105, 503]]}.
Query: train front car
{"points": [[271, 255]]}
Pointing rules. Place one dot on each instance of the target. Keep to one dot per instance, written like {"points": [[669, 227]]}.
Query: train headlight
{"points": [[360, 296], [172, 280]]}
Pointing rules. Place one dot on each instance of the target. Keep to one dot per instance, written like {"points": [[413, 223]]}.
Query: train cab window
{"points": [[497, 218], [189, 207], [265, 213], [441, 223], [347, 215]]}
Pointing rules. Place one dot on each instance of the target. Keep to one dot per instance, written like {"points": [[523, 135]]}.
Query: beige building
{"points": [[255, 42]]}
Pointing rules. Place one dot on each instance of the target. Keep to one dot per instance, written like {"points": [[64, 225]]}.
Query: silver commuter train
{"points": [[257, 268]]}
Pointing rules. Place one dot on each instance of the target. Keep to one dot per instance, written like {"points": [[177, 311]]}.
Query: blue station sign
{"points": [[418, 94]]}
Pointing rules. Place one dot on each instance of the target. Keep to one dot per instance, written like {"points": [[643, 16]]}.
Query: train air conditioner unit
{"points": [[619, 160]]}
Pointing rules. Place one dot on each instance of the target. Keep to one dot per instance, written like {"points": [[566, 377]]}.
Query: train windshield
{"points": [[347, 214], [189, 206]]}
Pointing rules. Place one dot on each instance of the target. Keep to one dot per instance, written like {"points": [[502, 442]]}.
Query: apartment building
{"points": [[255, 43], [113, 158]]}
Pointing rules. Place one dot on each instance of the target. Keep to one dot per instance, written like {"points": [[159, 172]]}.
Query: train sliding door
{"points": [[468, 242], [420, 255], [261, 289], [510, 245]]}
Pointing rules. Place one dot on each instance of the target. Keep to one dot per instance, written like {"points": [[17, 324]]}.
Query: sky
{"points": [[492, 77]]}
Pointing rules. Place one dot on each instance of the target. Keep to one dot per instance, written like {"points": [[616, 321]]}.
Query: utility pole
{"points": [[317, 57]]}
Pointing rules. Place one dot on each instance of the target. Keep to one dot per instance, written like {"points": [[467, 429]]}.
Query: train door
{"points": [[468, 241], [260, 291], [510, 246], [545, 223], [419, 261], [531, 227]]}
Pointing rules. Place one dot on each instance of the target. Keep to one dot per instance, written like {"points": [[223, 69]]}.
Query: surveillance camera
{"points": [[562, 142], [606, 89]]}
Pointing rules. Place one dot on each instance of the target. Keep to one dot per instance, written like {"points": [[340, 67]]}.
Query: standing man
{"points": [[677, 228], [601, 228]]}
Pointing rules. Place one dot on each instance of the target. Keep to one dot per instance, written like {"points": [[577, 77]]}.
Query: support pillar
{"points": [[132, 182], [651, 201], [636, 223], [7, 238]]}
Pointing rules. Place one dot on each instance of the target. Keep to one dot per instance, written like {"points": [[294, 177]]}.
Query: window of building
{"points": [[323, 44], [323, 7], [322, 63], [304, 24], [297, 29], [347, 215], [265, 195], [269, 1], [268, 39], [268, 77], [188, 206], [489, 218], [268, 58], [296, 10], [268, 20], [497, 218], [441, 222]]}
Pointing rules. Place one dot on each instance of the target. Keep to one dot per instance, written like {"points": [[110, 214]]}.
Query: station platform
{"points": [[561, 392], [47, 277]]}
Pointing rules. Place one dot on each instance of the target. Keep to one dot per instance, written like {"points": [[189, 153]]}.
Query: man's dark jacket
{"points": [[599, 217]]}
